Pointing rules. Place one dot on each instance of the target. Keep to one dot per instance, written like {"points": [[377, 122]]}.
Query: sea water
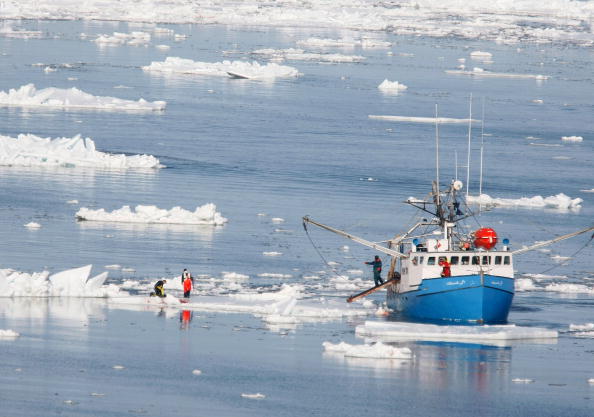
{"points": [[284, 148]]}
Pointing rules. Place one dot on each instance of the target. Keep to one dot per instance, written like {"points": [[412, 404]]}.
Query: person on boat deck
{"points": [[377, 270], [445, 265], [159, 290], [187, 287]]}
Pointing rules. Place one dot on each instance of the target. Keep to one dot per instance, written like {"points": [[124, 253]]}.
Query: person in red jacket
{"points": [[445, 265], [187, 287]]}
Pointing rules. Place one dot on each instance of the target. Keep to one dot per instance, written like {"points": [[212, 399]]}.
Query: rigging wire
{"points": [[572, 256], [318, 251]]}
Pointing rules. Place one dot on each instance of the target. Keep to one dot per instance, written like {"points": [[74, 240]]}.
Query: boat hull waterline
{"points": [[482, 299]]}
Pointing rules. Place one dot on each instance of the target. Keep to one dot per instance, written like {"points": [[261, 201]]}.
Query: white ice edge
{"points": [[202, 215], [8, 334], [479, 72], [376, 350], [28, 150], [72, 98]]}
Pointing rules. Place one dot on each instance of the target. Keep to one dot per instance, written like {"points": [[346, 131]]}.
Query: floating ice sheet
{"points": [[411, 119], [72, 98], [394, 331], [205, 215], [559, 201], [34, 151], [376, 350], [572, 138], [480, 72], [8, 334], [118, 38], [252, 70], [292, 54], [391, 86]]}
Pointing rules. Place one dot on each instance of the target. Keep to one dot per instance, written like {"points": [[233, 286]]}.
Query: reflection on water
{"points": [[65, 311], [204, 233], [185, 318]]}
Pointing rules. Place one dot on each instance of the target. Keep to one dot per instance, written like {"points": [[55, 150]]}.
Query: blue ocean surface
{"points": [[288, 148]]}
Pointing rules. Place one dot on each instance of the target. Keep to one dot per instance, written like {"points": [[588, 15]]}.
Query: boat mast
{"points": [[469, 136], [437, 159], [482, 146]]}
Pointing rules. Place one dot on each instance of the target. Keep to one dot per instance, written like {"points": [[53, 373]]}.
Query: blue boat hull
{"points": [[469, 298]]}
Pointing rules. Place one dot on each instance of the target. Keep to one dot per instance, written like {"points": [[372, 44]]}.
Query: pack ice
{"points": [[72, 98], [30, 150], [206, 214], [559, 201]]}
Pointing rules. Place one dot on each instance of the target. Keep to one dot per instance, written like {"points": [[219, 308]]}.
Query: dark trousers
{"points": [[187, 294], [377, 278]]}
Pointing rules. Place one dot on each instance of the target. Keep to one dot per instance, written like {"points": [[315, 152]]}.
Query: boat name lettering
{"points": [[456, 282], [496, 282]]}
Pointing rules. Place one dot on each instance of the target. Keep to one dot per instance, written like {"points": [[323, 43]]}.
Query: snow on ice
{"points": [[30, 150], [72, 98], [396, 331], [203, 215], [255, 70], [559, 201], [376, 350]]}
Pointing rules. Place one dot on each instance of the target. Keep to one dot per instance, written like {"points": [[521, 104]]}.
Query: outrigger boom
{"points": [[362, 241], [549, 242]]}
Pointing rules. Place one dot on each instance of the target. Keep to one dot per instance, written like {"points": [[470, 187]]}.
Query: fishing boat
{"points": [[442, 271], [439, 272]]}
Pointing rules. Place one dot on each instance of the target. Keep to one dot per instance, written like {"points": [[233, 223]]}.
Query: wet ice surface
{"points": [[267, 153]]}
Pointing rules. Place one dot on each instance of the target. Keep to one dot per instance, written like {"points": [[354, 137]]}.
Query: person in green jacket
{"points": [[377, 270]]}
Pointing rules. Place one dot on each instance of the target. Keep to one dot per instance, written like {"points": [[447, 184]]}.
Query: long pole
{"points": [[548, 242], [482, 146], [437, 155], [469, 136]]}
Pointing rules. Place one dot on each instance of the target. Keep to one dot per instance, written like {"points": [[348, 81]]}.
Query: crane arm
{"points": [[557, 239]]}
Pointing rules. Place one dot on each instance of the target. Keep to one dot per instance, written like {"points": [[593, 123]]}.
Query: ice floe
{"points": [[391, 86], [292, 54], [34, 151], [376, 350], [72, 98], [8, 31], [196, 372], [252, 70], [582, 330], [8, 334], [568, 288], [481, 56], [480, 72], [272, 253], [411, 119], [118, 38], [572, 138], [203, 215], [343, 43], [559, 201], [33, 225], [69, 283], [396, 331], [256, 396], [522, 380]]}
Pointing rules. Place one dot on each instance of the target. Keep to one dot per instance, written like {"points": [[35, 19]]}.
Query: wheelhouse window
{"points": [[507, 260], [465, 260], [486, 260], [476, 260], [431, 260], [498, 260], [454, 260], [421, 259]]}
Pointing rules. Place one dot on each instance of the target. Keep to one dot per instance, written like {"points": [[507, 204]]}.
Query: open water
{"points": [[286, 148]]}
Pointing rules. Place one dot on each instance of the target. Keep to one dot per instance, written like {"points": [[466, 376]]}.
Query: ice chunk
{"points": [[376, 350], [72, 98], [118, 367], [205, 215], [391, 86], [253, 70], [30, 150], [524, 284], [196, 372], [480, 72], [569, 288], [481, 56], [572, 138], [163, 47], [392, 331], [273, 253], [522, 380], [277, 220], [256, 396], [118, 38], [33, 225], [559, 201], [8, 334]]}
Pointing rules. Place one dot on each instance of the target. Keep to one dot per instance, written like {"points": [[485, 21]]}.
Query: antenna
{"points": [[456, 164], [469, 136]]}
